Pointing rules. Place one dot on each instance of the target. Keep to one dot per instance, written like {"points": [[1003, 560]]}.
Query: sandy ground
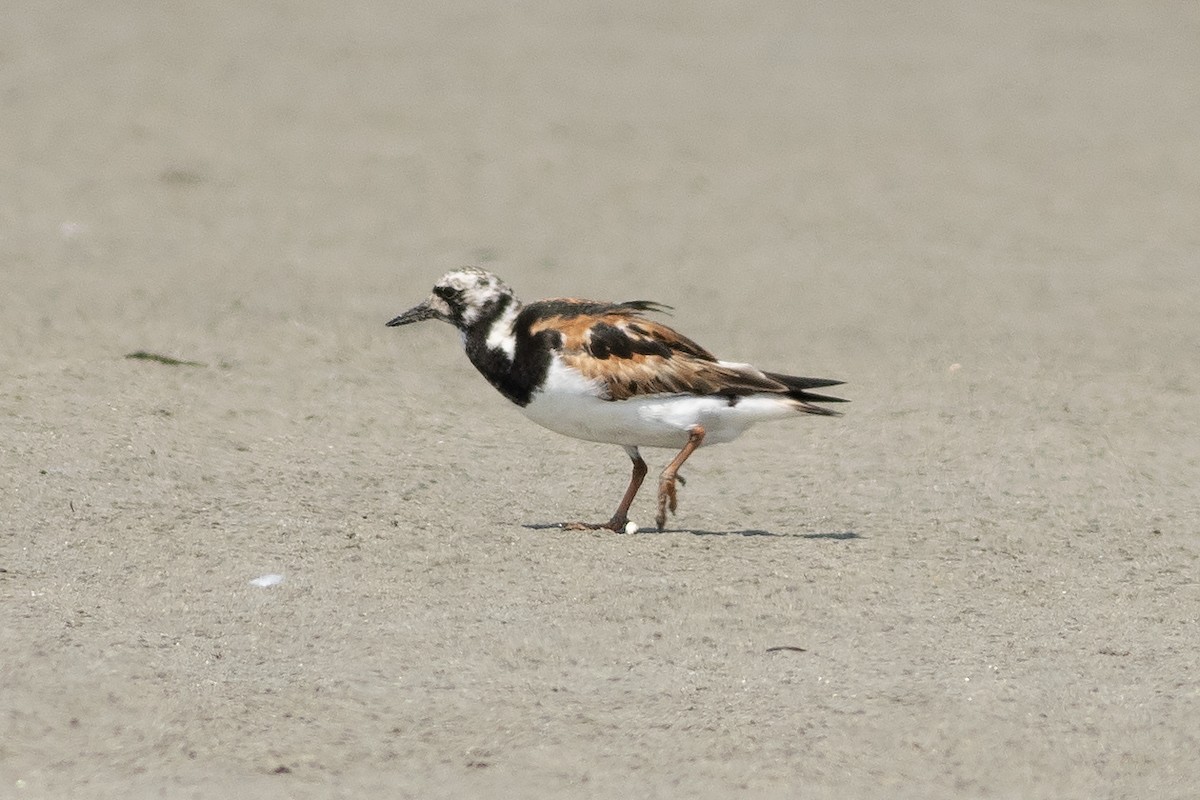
{"points": [[982, 216]]}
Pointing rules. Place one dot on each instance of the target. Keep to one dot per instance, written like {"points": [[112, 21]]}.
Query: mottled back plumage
{"points": [[631, 355]]}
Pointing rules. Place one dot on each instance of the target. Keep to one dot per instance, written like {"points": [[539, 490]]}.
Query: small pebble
{"points": [[631, 527]]}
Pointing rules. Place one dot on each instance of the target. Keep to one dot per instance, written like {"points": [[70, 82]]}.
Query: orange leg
{"points": [[666, 481], [621, 517]]}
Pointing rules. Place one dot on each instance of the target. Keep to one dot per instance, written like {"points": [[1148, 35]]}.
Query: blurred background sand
{"points": [[982, 216]]}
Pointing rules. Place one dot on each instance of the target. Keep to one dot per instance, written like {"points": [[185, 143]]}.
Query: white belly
{"points": [[569, 405]]}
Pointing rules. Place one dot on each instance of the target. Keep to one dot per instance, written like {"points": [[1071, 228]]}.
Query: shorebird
{"points": [[604, 372]]}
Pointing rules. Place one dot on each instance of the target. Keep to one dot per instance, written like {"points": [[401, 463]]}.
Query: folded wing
{"points": [[631, 356]]}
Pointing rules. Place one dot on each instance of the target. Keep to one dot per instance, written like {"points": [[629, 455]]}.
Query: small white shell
{"points": [[631, 527], [270, 579]]}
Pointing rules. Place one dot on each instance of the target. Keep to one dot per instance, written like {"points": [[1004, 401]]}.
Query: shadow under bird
{"points": [[604, 372]]}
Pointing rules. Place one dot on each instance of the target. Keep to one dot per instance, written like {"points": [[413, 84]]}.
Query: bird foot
{"points": [[666, 500]]}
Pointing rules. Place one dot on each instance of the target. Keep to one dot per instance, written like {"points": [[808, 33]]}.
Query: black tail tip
{"points": [[819, 411]]}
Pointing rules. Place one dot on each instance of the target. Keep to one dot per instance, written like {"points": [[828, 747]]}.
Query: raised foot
{"points": [[666, 500]]}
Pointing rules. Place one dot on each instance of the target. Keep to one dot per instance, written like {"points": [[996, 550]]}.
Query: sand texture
{"points": [[985, 578]]}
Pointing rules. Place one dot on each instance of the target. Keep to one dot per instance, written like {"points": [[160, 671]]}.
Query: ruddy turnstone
{"points": [[604, 372]]}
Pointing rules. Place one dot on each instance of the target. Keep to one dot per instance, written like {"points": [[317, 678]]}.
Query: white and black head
{"points": [[464, 298]]}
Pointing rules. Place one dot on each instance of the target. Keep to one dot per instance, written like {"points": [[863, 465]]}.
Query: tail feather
{"points": [[797, 383], [812, 397], [797, 390]]}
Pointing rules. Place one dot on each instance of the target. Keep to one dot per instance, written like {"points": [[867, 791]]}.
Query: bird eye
{"points": [[444, 292]]}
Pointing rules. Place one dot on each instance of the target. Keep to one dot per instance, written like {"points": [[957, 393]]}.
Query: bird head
{"points": [[461, 297]]}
